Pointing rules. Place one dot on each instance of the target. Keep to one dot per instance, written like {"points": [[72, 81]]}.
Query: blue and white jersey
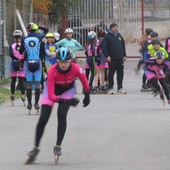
{"points": [[32, 46]]}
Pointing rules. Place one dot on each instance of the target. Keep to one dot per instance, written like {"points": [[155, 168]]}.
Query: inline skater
{"points": [[145, 37], [32, 46], [90, 61], [60, 89], [144, 41], [145, 55], [99, 63], [50, 50], [70, 42], [17, 68], [154, 46], [155, 69]]}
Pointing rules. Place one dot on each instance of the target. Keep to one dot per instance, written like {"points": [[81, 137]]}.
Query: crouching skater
{"points": [[155, 70], [60, 89]]}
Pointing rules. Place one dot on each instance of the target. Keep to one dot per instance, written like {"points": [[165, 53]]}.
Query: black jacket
{"points": [[113, 46]]}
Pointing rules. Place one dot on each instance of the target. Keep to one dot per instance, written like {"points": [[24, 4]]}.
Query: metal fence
{"points": [[92, 14], [95, 14]]}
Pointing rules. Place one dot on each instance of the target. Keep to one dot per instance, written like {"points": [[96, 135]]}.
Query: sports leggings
{"points": [[90, 62], [21, 82], [44, 117], [162, 81]]}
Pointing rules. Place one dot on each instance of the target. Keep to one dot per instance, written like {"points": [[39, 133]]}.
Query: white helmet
{"points": [[92, 32], [159, 55], [68, 30], [17, 33]]}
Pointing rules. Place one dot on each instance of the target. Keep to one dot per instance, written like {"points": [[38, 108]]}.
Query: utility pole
{"points": [[142, 16]]}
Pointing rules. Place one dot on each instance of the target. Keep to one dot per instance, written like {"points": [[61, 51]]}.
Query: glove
{"points": [[72, 102], [86, 99]]}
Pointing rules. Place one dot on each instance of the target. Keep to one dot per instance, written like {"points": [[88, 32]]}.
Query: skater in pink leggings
{"points": [[60, 89], [99, 63], [155, 71], [17, 68]]}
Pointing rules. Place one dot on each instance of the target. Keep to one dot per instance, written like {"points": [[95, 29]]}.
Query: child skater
{"points": [[155, 71]]}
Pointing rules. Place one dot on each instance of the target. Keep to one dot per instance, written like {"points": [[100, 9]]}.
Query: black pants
{"points": [[44, 117], [21, 82], [90, 62], [162, 81], [118, 67]]}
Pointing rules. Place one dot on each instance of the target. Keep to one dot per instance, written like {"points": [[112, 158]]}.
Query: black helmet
{"points": [[154, 34], [159, 55], [63, 54], [155, 41], [148, 31], [101, 33]]}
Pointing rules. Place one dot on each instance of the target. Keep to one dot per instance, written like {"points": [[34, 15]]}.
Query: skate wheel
{"points": [[56, 159], [30, 160]]}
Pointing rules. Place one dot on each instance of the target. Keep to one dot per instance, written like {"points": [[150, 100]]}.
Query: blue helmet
{"points": [[63, 54], [91, 35]]}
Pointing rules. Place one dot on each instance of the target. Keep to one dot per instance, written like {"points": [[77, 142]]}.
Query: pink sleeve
{"points": [[83, 78], [51, 84]]}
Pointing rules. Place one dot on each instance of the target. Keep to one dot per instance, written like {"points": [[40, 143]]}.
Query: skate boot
{"points": [[57, 153], [155, 93], [95, 90], [32, 156], [12, 100], [101, 89], [91, 90], [104, 89], [145, 88], [29, 107], [37, 108], [23, 100], [162, 96]]}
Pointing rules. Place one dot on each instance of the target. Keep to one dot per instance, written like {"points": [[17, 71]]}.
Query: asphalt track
{"points": [[115, 132]]}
